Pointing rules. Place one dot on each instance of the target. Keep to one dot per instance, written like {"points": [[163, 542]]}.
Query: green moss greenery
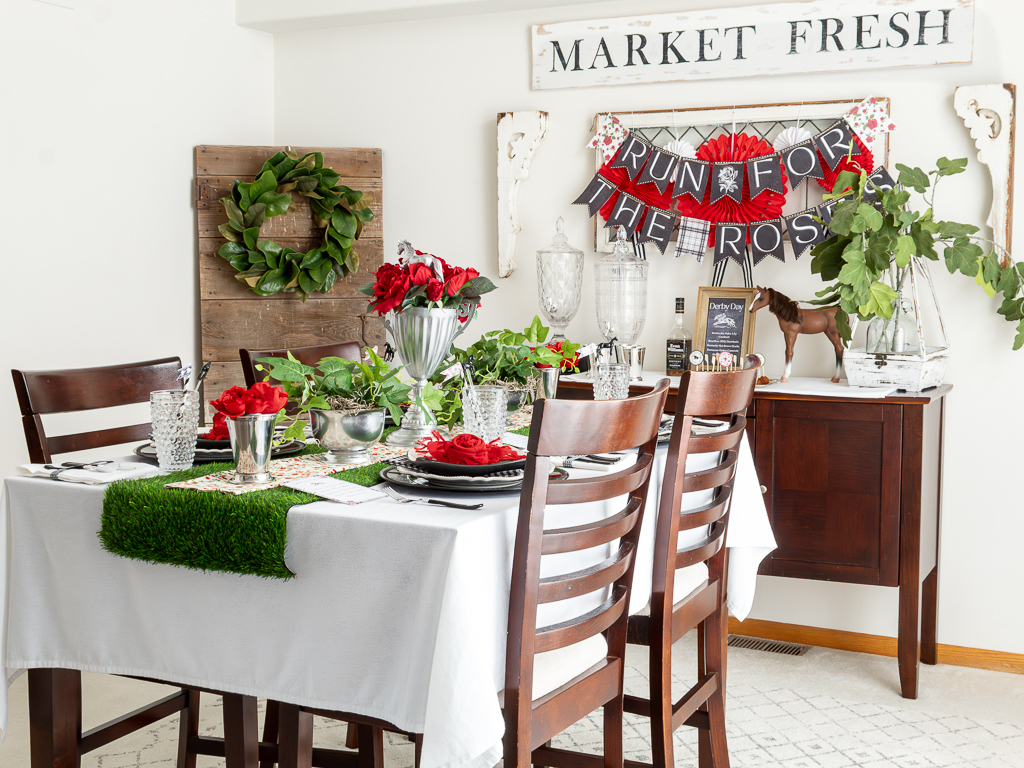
{"points": [[869, 245], [269, 268], [207, 531]]}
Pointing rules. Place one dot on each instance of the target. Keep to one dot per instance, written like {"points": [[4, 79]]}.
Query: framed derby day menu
{"points": [[724, 321]]}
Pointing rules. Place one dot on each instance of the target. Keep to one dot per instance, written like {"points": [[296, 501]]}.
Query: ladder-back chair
{"points": [[557, 674], [689, 583]]}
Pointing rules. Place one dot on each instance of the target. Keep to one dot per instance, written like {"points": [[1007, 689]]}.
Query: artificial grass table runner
{"points": [[246, 534]]}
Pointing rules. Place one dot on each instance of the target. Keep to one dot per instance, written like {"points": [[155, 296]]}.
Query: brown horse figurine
{"points": [[793, 320]]}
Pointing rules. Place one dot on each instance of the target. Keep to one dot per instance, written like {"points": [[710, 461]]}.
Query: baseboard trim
{"points": [[953, 655]]}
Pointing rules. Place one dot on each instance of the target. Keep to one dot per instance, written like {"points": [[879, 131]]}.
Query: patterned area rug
{"points": [[767, 728]]}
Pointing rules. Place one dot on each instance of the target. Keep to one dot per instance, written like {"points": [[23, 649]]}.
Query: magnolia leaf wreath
{"points": [[269, 268]]}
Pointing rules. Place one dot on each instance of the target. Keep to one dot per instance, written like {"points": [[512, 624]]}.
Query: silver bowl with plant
{"points": [[347, 436]]}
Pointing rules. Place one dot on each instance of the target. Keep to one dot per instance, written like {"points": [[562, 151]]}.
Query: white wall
{"points": [[100, 109], [428, 93]]}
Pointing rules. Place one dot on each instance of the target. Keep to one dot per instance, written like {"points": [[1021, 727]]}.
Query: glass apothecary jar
{"points": [[559, 282], [621, 287]]}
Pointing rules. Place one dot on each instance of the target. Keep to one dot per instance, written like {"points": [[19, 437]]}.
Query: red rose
{"points": [[265, 398], [435, 290], [467, 449], [872, 123], [395, 294], [420, 274], [219, 431], [231, 402]]}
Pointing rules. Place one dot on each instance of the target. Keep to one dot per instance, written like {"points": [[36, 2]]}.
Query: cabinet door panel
{"points": [[830, 496]]}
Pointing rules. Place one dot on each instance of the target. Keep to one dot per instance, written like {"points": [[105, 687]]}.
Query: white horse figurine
{"points": [[407, 256]]}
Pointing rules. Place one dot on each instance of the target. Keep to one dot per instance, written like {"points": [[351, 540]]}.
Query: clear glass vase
{"points": [[559, 282], [621, 287]]}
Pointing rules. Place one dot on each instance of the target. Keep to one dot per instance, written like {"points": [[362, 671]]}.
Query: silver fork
{"points": [[439, 502]]}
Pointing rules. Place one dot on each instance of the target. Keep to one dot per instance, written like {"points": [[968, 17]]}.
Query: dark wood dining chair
{"points": [[690, 583], [347, 350], [85, 389], [557, 674]]}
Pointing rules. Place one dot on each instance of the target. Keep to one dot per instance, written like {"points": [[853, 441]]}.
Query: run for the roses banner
{"points": [[785, 38]]}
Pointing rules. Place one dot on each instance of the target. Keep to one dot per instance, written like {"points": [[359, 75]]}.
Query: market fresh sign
{"points": [[815, 36]]}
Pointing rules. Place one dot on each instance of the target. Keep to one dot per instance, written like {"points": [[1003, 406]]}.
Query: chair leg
{"points": [[716, 644], [241, 731], [295, 746], [613, 732], [371, 747], [271, 727], [352, 736], [660, 675], [188, 728]]}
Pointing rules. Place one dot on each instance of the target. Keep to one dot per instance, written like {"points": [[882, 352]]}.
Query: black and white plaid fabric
{"points": [[692, 238]]}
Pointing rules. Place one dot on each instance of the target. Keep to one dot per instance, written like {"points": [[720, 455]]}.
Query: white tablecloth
{"points": [[397, 611]]}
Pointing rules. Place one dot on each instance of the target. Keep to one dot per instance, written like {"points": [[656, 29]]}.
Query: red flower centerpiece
{"points": [[250, 415], [425, 303], [465, 449]]}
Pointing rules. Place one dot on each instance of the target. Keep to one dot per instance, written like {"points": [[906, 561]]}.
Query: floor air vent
{"points": [[771, 646]]}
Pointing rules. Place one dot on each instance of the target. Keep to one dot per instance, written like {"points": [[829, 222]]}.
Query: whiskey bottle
{"points": [[679, 343]]}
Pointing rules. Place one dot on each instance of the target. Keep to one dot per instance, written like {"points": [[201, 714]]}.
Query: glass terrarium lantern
{"points": [[559, 282], [621, 287]]}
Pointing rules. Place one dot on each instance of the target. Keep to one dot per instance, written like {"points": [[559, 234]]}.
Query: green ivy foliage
{"points": [[867, 243], [269, 268]]}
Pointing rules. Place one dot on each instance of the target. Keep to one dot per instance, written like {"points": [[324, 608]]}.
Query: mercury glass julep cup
{"points": [[175, 417]]}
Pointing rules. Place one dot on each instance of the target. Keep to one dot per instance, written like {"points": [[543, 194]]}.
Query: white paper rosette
{"points": [[789, 137]]}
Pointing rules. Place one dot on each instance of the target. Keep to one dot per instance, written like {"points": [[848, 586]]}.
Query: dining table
{"points": [[397, 611]]}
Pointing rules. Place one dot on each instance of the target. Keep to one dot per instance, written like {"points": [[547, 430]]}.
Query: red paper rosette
{"points": [[864, 159], [767, 205], [648, 193]]}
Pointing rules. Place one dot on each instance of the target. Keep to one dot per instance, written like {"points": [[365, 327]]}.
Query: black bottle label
{"points": [[678, 355]]}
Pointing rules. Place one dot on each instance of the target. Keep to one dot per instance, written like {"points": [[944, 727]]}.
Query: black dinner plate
{"points": [[222, 452], [466, 470]]}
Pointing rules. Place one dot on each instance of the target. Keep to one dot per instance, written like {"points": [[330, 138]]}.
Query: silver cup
{"points": [[634, 358], [252, 437], [548, 384], [347, 437]]}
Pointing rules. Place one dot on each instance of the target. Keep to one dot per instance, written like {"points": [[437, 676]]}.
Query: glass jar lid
{"points": [[560, 243]]}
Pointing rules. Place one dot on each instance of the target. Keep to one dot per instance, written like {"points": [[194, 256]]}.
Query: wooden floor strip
{"points": [[953, 655]]}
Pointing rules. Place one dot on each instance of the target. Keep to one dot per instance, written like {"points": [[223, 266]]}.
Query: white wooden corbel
{"points": [[988, 111], [519, 135]]}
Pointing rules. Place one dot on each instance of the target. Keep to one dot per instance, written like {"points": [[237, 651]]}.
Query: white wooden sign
{"points": [[813, 36]]}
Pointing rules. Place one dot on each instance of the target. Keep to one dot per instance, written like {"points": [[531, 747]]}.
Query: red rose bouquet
{"points": [[466, 449], [261, 397], [423, 280]]}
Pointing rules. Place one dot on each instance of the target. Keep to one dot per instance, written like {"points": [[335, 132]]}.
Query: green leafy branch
{"points": [[267, 267], [369, 383], [867, 259]]}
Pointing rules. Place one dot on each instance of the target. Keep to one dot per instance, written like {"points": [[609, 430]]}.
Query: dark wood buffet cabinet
{"points": [[853, 491]]}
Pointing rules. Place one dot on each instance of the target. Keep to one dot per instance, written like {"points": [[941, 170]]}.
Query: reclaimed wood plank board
{"points": [[235, 161]]}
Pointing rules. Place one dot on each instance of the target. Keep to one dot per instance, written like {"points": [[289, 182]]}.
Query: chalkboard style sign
{"points": [[724, 322]]}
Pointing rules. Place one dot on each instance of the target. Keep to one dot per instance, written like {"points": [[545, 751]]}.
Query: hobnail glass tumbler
{"points": [[611, 381], [483, 411], [175, 417]]}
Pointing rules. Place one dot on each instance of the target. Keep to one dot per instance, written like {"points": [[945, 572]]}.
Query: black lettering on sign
{"points": [[727, 181], [632, 155], [802, 161], [863, 32], [804, 231], [627, 213], [834, 143], [667, 46], [602, 50], [763, 173], [766, 240], [897, 28], [692, 179], [739, 38], [556, 54], [794, 35], [730, 242], [702, 44], [825, 35], [659, 168], [638, 50], [726, 319], [596, 194], [657, 228], [944, 26]]}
